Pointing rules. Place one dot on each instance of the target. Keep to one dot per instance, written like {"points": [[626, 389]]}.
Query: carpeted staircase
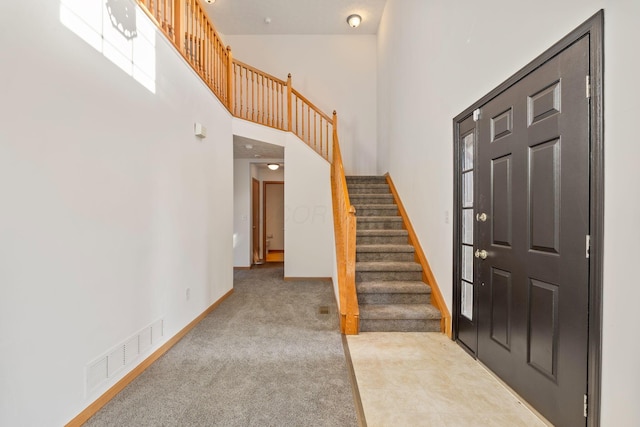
{"points": [[391, 294]]}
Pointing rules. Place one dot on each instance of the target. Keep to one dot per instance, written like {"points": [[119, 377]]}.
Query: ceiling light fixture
{"points": [[354, 20], [248, 146], [273, 166]]}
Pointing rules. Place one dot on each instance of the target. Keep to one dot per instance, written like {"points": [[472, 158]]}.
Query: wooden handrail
{"points": [[254, 95], [256, 70], [344, 217]]}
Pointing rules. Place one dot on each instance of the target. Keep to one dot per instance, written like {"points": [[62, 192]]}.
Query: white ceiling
{"points": [[235, 17], [259, 150]]}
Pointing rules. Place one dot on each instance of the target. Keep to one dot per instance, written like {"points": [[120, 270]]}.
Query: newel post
{"points": [[289, 127], [335, 126], [178, 14], [230, 77]]}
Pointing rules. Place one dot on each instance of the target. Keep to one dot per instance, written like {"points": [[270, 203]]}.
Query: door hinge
{"points": [[588, 86], [476, 115], [587, 245], [586, 405]]}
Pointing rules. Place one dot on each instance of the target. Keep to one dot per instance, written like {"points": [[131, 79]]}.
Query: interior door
{"points": [[255, 219], [531, 263]]}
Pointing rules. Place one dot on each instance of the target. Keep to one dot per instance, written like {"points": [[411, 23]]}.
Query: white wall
{"points": [[308, 219], [335, 73], [242, 213], [435, 59], [110, 208]]}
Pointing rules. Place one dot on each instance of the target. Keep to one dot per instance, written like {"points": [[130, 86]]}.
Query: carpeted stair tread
{"points": [[376, 210], [398, 312], [380, 219], [389, 287], [368, 189], [375, 205], [371, 199], [384, 248], [379, 223], [388, 266], [382, 232], [365, 179]]}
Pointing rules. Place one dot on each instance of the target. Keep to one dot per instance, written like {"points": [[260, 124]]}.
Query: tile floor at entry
{"points": [[425, 379]]}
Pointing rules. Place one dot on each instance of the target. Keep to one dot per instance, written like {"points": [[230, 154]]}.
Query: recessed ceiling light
{"points": [[257, 156], [248, 146], [210, 1], [354, 20]]}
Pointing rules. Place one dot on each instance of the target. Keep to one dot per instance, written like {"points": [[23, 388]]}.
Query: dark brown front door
{"points": [[533, 279]]}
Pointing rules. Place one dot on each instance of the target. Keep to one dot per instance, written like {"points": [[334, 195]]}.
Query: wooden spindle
{"points": [[231, 76], [309, 124], [178, 7], [289, 103]]}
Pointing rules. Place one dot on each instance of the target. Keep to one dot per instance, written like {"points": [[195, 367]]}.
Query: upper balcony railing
{"points": [[247, 92], [252, 94]]}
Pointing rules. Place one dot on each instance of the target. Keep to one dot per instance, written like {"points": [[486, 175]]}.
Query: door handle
{"points": [[482, 217], [481, 254]]}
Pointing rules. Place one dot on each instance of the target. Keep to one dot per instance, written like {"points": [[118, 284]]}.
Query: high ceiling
{"points": [[294, 17], [235, 17]]}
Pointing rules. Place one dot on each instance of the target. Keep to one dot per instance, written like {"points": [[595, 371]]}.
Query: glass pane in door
{"points": [[467, 152], [467, 189], [467, 226], [467, 263], [466, 308]]}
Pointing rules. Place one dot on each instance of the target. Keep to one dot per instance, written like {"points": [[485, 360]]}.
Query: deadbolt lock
{"points": [[482, 217], [481, 254]]}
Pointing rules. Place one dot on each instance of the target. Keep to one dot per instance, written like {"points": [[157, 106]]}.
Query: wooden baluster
{"points": [[199, 36], [254, 103], [270, 97], [167, 18], [289, 127], [315, 119], [281, 106], [309, 125], [322, 120], [231, 77], [240, 67], [207, 54], [278, 113], [178, 9], [260, 104]]}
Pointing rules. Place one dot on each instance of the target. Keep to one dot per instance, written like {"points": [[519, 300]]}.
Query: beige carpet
{"points": [[266, 357]]}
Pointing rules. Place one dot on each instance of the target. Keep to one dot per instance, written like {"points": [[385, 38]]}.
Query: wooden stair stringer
{"points": [[427, 274]]}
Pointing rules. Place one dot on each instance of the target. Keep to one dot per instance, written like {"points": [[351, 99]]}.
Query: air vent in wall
{"points": [[113, 361]]}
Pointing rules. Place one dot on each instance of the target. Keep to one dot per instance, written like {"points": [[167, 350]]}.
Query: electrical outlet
{"points": [[188, 294], [446, 217]]}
